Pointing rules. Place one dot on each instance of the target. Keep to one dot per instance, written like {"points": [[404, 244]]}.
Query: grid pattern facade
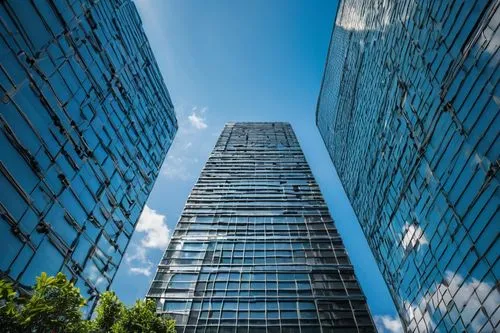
{"points": [[255, 248], [85, 123], [409, 112]]}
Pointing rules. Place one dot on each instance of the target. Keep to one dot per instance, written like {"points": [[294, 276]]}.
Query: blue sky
{"points": [[241, 61]]}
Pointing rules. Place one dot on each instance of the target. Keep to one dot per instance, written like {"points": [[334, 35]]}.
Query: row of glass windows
{"points": [[215, 315], [286, 194], [250, 219], [302, 304], [258, 246], [277, 227], [250, 233], [270, 289], [264, 204], [214, 186], [338, 260], [234, 203], [242, 162], [249, 254], [174, 285], [236, 277], [256, 328], [341, 292], [224, 319], [285, 228], [261, 210], [293, 170], [232, 305], [307, 317], [255, 173], [343, 275]]}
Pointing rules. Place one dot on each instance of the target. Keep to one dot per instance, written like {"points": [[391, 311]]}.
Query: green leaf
{"points": [[55, 307]]}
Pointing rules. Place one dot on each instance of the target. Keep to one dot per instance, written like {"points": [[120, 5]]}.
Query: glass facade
{"points": [[85, 123], [409, 112], [255, 248]]}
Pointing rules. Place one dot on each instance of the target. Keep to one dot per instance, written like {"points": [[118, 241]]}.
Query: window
{"points": [[287, 305], [182, 281], [273, 315], [289, 314], [306, 305], [286, 285], [222, 277], [216, 305], [233, 285], [260, 315], [175, 305], [230, 305], [228, 315], [194, 246], [272, 306]]}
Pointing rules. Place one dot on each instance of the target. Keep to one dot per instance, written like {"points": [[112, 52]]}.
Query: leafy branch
{"points": [[54, 306]]}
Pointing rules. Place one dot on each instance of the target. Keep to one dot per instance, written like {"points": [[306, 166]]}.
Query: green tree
{"points": [[55, 307], [108, 312], [10, 319], [142, 318]]}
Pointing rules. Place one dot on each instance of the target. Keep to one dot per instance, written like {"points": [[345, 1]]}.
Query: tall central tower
{"points": [[255, 248]]}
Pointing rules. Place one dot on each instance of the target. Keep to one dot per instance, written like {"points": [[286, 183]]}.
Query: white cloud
{"points": [[137, 260], [379, 16], [136, 252], [151, 233], [96, 277], [181, 164], [177, 168], [413, 236], [197, 121], [470, 295], [355, 18], [490, 41], [388, 324], [146, 271], [155, 227]]}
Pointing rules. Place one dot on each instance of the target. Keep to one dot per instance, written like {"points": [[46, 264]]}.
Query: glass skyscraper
{"points": [[85, 123], [255, 249], [409, 112]]}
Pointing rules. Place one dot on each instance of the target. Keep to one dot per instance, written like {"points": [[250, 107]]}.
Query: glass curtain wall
{"points": [[255, 249], [85, 124], [409, 111]]}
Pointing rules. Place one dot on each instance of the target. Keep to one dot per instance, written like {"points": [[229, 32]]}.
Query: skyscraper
{"points": [[256, 248], [86, 121], [409, 112]]}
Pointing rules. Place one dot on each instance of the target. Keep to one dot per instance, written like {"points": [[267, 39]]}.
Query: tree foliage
{"points": [[142, 318], [108, 312], [54, 306], [10, 319]]}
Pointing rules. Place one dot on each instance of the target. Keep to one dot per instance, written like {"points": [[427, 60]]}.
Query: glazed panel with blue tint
{"points": [[86, 122], [409, 112]]}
